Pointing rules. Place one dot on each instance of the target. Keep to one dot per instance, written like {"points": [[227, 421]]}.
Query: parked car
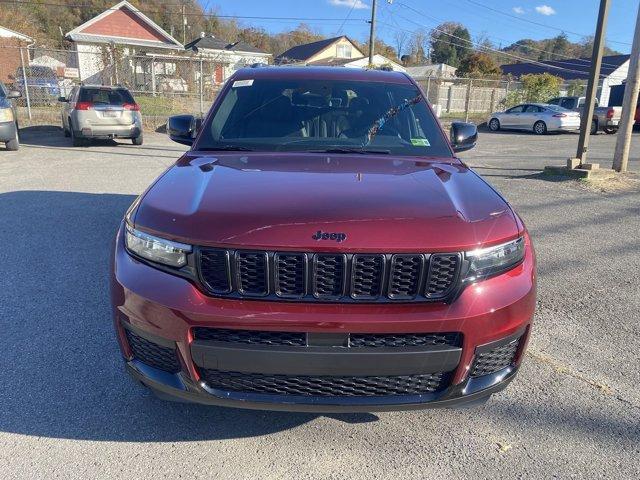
{"points": [[42, 82], [537, 117], [321, 247], [8, 118], [99, 112], [606, 119]]}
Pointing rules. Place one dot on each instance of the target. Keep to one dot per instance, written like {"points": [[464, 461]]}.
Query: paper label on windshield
{"points": [[243, 83], [420, 142]]}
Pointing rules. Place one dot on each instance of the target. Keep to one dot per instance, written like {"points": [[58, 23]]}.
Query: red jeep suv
{"points": [[321, 248]]}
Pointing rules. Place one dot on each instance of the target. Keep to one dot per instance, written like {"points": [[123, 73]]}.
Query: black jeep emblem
{"points": [[335, 236]]}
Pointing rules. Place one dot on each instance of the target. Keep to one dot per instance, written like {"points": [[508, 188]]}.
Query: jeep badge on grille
{"points": [[335, 236]]}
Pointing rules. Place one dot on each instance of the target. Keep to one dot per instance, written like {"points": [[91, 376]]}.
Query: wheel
{"points": [[594, 127], [540, 128], [610, 130], [137, 140], [76, 141], [13, 144], [67, 133], [494, 124]]}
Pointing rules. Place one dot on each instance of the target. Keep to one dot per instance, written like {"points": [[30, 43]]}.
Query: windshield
{"points": [[556, 108], [324, 115]]}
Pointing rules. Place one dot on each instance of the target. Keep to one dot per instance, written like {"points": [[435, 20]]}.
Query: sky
{"points": [[505, 24]]}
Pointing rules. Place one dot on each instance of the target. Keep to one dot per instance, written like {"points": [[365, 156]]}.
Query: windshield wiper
{"points": [[389, 114], [351, 150], [230, 148]]}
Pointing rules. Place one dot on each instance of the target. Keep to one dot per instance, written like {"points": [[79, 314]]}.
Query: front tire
{"points": [[540, 128], [13, 144], [494, 124], [610, 130], [594, 127]]}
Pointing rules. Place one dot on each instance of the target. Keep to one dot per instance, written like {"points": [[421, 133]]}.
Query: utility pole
{"points": [[372, 33], [184, 26], [594, 74], [629, 103]]}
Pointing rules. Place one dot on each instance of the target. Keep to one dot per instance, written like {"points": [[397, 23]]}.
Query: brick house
{"points": [[10, 43], [121, 31]]}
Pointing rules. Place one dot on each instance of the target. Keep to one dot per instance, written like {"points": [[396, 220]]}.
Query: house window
{"points": [[343, 51]]}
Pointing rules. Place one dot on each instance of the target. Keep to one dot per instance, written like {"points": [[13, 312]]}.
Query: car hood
{"points": [[281, 200]]}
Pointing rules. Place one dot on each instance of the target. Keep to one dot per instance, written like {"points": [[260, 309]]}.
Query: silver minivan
{"points": [[100, 112]]}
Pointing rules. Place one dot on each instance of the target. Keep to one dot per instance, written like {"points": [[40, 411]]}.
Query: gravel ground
{"points": [[67, 410]]}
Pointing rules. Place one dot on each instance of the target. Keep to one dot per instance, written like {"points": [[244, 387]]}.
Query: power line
{"points": [[206, 15], [347, 17], [482, 47], [539, 24], [501, 52]]}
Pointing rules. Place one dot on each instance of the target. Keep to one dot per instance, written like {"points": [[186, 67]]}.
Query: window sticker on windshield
{"points": [[243, 83], [420, 142]]}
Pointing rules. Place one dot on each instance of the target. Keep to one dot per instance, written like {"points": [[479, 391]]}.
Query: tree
{"points": [[450, 43], [379, 47], [534, 88], [400, 38], [479, 65], [419, 47]]}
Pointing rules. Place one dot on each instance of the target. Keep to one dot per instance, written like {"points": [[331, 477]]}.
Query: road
{"points": [[68, 411]]}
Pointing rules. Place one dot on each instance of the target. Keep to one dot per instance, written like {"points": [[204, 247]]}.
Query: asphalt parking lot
{"points": [[67, 410]]}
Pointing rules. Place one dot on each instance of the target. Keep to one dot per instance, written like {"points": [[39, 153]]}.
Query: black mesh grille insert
{"points": [[496, 359], [252, 337], [324, 386], [366, 279], [290, 274], [328, 276], [251, 268], [214, 267], [404, 278], [443, 270], [373, 340], [163, 358]]}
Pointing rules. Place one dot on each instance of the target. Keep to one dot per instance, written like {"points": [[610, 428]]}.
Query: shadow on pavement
{"points": [[63, 376]]}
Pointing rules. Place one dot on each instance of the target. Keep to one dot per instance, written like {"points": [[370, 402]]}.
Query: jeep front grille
{"points": [[329, 277]]}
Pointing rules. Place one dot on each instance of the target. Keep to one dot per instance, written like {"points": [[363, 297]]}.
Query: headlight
{"points": [[486, 262], [6, 115], [156, 249]]}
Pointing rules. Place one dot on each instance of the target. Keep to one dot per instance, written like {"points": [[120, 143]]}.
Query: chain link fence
{"points": [[472, 99], [163, 85]]}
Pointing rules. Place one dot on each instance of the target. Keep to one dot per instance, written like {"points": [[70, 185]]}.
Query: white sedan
{"points": [[537, 117]]}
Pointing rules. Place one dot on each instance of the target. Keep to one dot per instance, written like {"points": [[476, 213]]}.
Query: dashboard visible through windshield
{"points": [[324, 116]]}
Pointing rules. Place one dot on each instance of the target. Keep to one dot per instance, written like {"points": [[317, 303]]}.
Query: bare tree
{"points": [[400, 38]]}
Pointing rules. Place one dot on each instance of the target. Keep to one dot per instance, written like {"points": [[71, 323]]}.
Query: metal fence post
{"points": [[449, 98], [26, 87], [429, 88], [201, 89], [153, 76], [468, 102]]}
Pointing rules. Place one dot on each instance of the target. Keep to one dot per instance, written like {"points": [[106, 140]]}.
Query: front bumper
{"points": [[7, 131], [166, 309]]}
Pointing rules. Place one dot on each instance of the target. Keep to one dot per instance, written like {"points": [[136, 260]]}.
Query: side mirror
{"points": [[463, 136], [183, 128], [13, 94], [62, 99]]}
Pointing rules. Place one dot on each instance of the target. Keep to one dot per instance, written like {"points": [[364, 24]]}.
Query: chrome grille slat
{"points": [[329, 277]]}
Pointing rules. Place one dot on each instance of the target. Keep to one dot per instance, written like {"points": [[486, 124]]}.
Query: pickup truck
{"points": [[604, 118]]}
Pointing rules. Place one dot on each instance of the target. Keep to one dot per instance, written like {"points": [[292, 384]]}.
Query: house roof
{"points": [[8, 33], [126, 25], [212, 43], [569, 69], [305, 51]]}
